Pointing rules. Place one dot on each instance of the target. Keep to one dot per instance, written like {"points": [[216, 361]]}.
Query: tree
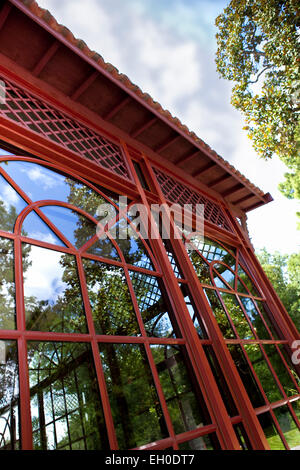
{"points": [[283, 272], [258, 49]]}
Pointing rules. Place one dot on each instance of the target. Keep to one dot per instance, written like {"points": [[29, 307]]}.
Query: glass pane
{"points": [[9, 396], [288, 426], [271, 432], [280, 369], [268, 319], [226, 274], [133, 248], [110, 299], [200, 267], [65, 403], [181, 390], [296, 408], [242, 437], [255, 318], [192, 311], [263, 372], [34, 227], [156, 313], [247, 281], [287, 354], [75, 227], [172, 258], [11, 204], [246, 375], [40, 183], [134, 402], [212, 250], [104, 248], [53, 300], [7, 285], [209, 442], [237, 315], [219, 313], [220, 380]]}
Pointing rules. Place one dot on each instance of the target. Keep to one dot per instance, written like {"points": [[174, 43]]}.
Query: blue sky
{"points": [[167, 47]]}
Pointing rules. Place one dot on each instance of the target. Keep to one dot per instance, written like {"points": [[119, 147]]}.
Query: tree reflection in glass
{"points": [[52, 293], [65, 404], [182, 393], [288, 426], [136, 410], [237, 315], [219, 313], [271, 432], [9, 396], [255, 318], [110, 299], [155, 310], [7, 285]]}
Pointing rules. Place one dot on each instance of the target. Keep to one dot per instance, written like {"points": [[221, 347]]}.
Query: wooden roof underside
{"points": [[31, 42]]}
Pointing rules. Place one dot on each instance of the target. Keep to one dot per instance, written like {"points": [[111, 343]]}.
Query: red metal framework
{"points": [[39, 116], [179, 193]]}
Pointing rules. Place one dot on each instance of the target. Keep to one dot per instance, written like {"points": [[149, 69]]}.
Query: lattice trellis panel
{"points": [[37, 115], [179, 193]]}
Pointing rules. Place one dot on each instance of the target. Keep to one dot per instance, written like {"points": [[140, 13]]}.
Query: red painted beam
{"points": [[4, 14], [117, 108], [187, 157], [45, 58], [84, 86], [204, 169], [221, 179], [142, 128], [232, 190], [167, 143]]}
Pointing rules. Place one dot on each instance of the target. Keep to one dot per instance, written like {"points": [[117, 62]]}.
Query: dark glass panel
{"points": [[74, 226], [66, 408], [280, 369], [9, 396], [110, 299], [201, 268], [263, 372], [208, 442], [237, 315], [263, 308], [296, 408], [7, 285], [40, 183], [136, 410], [271, 432], [247, 281], [181, 390], [242, 436], [288, 426], [132, 247], [246, 375], [287, 354], [255, 318], [220, 380], [193, 311], [11, 204], [140, 175], [153, 303], [53, 300], [219, 313], [34, 227]]}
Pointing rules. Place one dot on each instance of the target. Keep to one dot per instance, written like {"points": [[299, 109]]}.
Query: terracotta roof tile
{"points": [[46, 16]]}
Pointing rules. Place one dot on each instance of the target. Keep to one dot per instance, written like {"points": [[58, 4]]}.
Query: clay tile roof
{"points": [[46, 16]]}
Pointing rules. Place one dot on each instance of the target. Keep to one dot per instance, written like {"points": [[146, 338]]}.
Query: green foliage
{"points": [[284, 273], [258, 50]]}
